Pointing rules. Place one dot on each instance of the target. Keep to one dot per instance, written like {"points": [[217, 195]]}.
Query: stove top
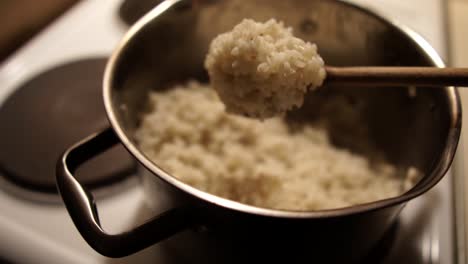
{"points": [[40, 231], [49, 113]]}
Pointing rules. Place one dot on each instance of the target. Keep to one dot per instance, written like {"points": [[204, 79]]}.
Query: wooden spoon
{"points": [[396, 76]]}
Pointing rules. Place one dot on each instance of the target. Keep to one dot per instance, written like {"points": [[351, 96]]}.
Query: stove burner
{"points": [[48, 114]]}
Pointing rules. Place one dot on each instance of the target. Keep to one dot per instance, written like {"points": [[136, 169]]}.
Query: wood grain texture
{"points": [[22, 19], [396, 76]]}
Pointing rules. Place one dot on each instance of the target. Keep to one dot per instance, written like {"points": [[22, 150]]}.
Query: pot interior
{"points": [[169, 48]]}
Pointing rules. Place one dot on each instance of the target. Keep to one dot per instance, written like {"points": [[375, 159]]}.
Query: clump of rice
{"points": [[261, 70], [266, 164]]}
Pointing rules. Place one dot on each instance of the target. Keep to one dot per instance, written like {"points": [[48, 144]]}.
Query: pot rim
{"points": [[433, 178]]}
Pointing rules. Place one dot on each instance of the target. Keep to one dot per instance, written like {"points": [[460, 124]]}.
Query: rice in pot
{"points": [[266, 164]]}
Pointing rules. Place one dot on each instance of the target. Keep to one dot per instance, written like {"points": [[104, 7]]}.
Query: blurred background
{"points": [[24, 22], [20, 20]]}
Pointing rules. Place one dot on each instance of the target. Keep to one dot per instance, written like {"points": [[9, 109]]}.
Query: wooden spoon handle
{"points": [[396, 76]]}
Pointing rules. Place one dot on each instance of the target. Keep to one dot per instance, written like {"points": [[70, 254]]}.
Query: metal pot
{"points": [[168, 46]]}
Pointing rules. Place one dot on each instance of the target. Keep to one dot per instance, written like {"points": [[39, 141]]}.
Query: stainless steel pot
{"points": [[168, 46]]}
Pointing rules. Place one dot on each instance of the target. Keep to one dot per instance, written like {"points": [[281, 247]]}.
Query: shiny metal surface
{"points": [[459, 205], [81, 205], [149, 56]]}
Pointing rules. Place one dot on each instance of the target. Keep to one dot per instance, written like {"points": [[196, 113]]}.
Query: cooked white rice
{"points": [[188, 134], [261, 70]]}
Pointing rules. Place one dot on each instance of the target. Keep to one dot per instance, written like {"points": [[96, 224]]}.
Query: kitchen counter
{"points": [[22, 19], [458, 40], [458, 21]]}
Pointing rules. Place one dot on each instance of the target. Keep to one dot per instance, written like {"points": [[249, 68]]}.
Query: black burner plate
{"points": [[48, 114]]}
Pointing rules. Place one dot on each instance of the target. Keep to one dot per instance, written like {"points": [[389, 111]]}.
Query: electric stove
{"points": [[50, 97]]}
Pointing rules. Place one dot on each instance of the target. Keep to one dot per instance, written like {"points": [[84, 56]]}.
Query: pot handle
{"points": [[82, 208]]}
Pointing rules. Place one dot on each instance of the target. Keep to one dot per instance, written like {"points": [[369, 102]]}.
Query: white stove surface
{"points": [[33, 232]]}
